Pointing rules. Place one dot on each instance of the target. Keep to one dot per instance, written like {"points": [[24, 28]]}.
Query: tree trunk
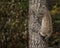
{"points": [[37, 12]]}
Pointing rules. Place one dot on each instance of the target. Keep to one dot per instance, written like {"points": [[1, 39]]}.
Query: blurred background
{"points": [[14, 23]]}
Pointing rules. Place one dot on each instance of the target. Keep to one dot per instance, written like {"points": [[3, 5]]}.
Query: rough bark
{"points": [[37, 14]]}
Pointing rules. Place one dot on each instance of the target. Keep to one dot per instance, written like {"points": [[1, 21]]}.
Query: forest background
{"points": [[14, 23]]}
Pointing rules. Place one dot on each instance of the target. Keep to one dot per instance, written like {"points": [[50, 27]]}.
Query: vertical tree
{"points": [[40, 24]]}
